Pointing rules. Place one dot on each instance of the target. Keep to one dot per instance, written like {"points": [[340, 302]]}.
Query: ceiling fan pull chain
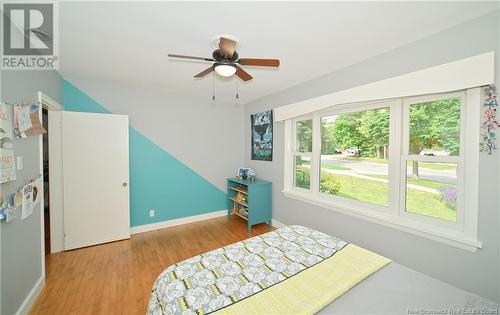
{"points": [[213, 94], [237, 96]]}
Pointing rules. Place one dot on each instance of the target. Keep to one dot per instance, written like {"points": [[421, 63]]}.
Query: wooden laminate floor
{"points": [[116, 278]]}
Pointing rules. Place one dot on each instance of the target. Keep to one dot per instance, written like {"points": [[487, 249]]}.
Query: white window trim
{"points": [[460, 160], [464, 237], [300, 153]]}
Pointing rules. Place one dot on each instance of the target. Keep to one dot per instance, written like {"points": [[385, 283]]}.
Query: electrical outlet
{"points": [[151, 213]]}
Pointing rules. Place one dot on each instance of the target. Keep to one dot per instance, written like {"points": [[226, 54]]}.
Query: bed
{"points": [[298, 270]]}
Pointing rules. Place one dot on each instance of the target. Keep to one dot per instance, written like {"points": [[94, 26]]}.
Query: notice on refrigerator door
{"points": [[28, 204], [7, 166]]}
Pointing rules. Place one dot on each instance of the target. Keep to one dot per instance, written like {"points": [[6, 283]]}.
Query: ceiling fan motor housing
{"points": [[217, 55]]}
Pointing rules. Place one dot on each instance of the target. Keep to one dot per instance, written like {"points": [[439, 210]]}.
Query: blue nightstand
{"points": [[250, 201]]}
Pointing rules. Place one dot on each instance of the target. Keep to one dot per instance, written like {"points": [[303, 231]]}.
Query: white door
{"points": [[95, 177]]}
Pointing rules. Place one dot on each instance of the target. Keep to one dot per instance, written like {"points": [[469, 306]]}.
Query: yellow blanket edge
{"points": [[314, 288]]}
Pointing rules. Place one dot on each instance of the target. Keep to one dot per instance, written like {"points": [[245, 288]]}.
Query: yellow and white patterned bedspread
{"points": [[263, 274]]}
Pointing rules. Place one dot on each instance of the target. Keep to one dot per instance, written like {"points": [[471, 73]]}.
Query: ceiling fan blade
{"points": [[204, 72], [259, 62], [243, 74], [227, 47], [190, 57]]}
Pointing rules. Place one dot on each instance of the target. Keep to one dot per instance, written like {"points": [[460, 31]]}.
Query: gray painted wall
{"points": [[20, 240], [476, 272], [204, 135]]}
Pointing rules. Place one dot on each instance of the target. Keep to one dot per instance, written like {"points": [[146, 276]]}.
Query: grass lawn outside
{"points": [[375, 192], [327, 166], [334, 167], [419, 202], [415, 181], [362, 189]]}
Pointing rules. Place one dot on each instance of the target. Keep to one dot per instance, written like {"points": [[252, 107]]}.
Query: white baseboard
{"points": [[31, 298], [278, 224], [174, 222]]}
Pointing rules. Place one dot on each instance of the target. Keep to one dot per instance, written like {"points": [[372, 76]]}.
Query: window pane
{"points": [[431, 189], [435, 127], [354, 155], [302, 173], [304, 135]]}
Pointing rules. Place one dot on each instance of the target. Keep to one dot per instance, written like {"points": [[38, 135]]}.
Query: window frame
{"points": [[296, 152], [459, 160], [462, 234], [354, 108]]}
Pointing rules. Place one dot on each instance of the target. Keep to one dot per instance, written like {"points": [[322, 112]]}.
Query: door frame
{"points": [[51, 105]]}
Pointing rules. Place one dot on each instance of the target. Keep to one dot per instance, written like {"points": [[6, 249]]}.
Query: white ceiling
{"points": [[127, 42]]}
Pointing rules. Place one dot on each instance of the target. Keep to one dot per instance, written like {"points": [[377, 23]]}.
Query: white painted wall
{"points": [[207, 136]]}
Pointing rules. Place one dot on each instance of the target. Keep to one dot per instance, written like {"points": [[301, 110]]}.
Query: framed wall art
{"points": [[262, 136]]}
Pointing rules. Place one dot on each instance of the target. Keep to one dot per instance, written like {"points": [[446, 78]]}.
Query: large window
{"points": [[400, 161], [432, 156], [303, 153], [354, 159]]}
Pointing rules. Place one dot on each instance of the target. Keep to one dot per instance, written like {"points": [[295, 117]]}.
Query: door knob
{"points": [[124, 184]]}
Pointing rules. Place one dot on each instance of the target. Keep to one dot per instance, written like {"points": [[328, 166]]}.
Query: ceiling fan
{"points": [[226, 61]]}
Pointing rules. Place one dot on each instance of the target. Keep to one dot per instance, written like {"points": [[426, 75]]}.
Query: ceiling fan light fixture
{"points": [[225, 70]]}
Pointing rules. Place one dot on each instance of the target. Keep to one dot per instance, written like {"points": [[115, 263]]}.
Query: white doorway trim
{"points": [[48, 103], [51, 105]]}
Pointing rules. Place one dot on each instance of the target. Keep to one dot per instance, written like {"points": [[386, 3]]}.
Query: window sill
{"points": [[446, 236]]}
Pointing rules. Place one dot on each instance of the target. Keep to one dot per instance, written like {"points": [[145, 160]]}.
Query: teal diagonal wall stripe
{"points": [[158, 180]]}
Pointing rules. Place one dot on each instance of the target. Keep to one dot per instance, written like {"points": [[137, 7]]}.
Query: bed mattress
{"points": [[396, 289]]}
